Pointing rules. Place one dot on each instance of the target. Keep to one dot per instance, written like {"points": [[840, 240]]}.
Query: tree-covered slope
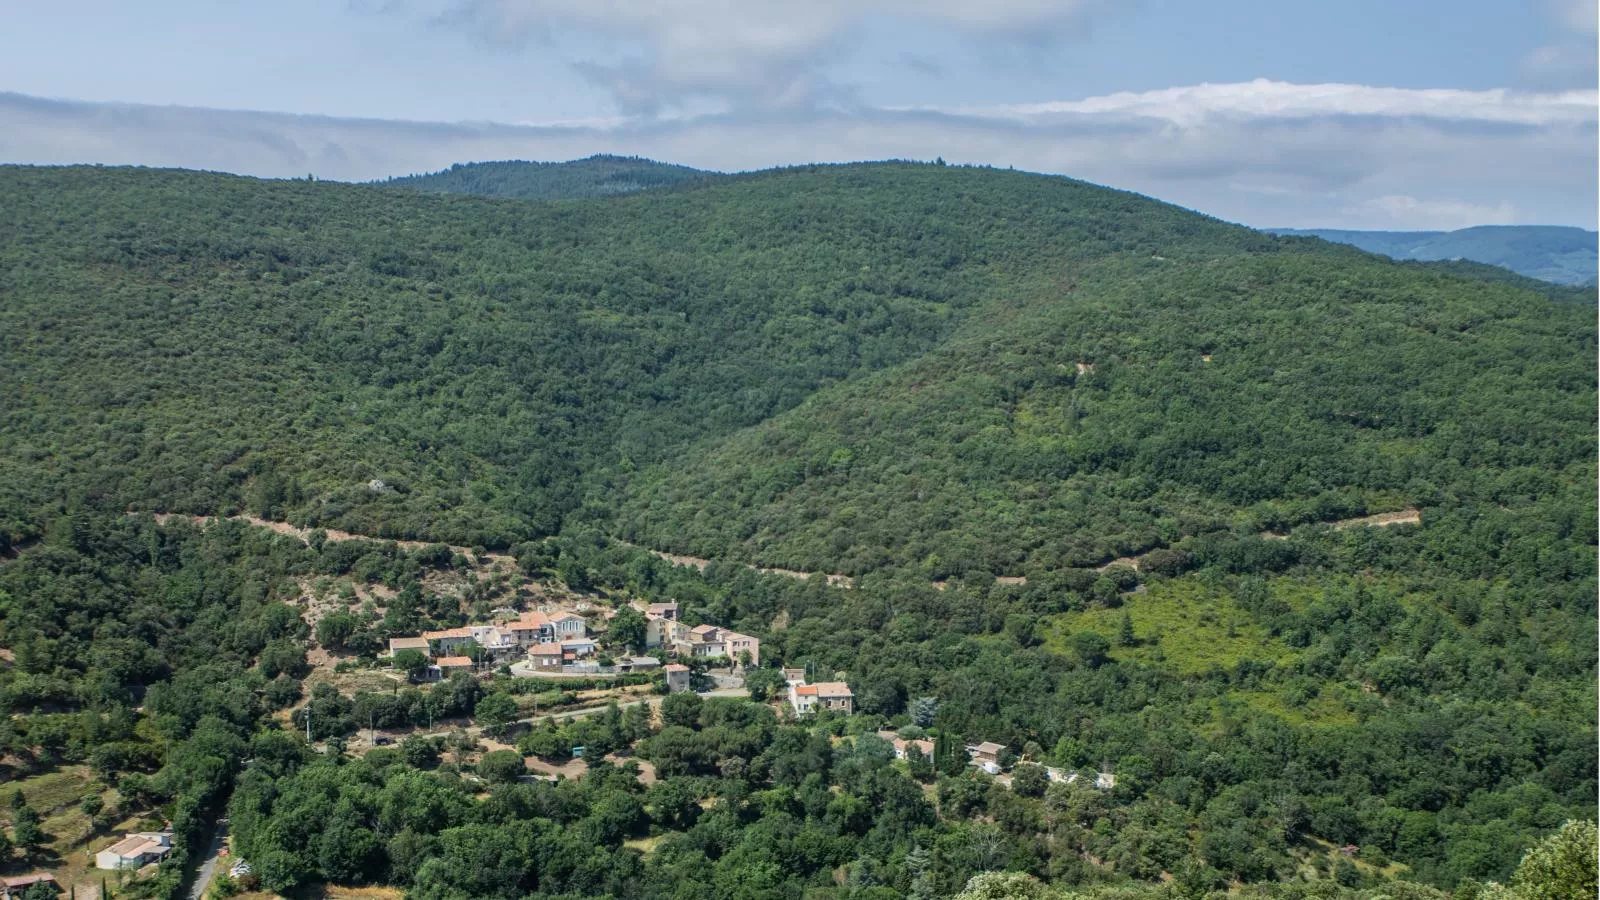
{"points": [[595, 176], [1128, 403], [186, 341], [922, 375], [1549, 253]]}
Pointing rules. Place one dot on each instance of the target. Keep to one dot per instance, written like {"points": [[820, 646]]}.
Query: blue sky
{"points": [[1414, 114]]}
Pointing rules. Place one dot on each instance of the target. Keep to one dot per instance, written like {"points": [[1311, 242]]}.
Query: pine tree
{"points": [[1125, 635]]}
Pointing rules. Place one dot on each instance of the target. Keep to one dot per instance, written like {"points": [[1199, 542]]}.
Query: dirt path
{"points": [[334, 534], [700, 563], [1408, 516]]}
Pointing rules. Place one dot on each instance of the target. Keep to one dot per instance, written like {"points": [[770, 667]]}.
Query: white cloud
{"points": [[747, 53], [1410, 212], [1571, 61], [1264, 99], [1266, 153]]}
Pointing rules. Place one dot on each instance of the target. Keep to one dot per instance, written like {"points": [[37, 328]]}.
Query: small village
{"points": [[567, 638]]}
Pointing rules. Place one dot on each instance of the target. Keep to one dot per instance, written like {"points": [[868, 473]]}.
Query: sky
{"points": [[1400, 114]]}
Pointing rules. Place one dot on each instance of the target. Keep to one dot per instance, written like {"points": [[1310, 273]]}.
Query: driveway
{"points": [[208, 868]]}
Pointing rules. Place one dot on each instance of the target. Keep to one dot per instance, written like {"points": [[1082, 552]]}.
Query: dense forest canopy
{"points": [[596, 176], [1098, 467]]}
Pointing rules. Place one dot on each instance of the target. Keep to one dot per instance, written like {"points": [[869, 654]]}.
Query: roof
{"points": [[577, 640], [661, 607], [702, 629], [647, 661], [831, 689], [805, 690], [924, 747], [135, 845], [675, 667], [988, 748], [564, 615], [548, 648], [453, 662], [447, 633], [19, 881], [408, 643], [525, 625]]}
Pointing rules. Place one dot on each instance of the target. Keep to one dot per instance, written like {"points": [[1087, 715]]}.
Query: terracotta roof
{"points": [[564, 615], [453, 662], [989, 748], [832, 689], [548, 648], [408, 643], [702, 629], [447, 633], [675, 667], [805, 690], [525, 625]]}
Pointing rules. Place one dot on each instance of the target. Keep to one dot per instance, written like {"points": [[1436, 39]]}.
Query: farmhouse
{"points": [[834, 696], [986, 756], [419, 644], [903, 747], [677, 677], [135, 850]]}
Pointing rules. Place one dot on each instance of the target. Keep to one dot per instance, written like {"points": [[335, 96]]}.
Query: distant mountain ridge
{"points": [[1558, 254], [595, 176]]}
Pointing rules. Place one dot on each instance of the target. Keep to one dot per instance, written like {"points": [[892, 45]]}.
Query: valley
{"points": [[1201, 561]]}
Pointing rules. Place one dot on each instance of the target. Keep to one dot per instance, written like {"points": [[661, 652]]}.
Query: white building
{"points": [[135, 850]]}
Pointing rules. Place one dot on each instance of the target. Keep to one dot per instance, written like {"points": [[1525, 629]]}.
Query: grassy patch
{"points": [[1189, 626], [52, 791], [1327, 708]]}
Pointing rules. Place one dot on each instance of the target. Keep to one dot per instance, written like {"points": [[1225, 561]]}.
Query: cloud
{"points": [[1266, 153], [1264, 99], [743, 53], [1435, 215], [1571, 61]]}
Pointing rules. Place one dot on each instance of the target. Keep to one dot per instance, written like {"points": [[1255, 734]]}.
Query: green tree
{"points": [[1125, 635], [336, 628], [26, 831], [1560, 867], [495, 711], [681, 709], [411, 662], [627, 628], [1090, 648], [501, 766]]}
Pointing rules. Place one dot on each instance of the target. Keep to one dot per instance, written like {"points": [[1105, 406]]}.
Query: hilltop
{"points": [[595, 176], [1555, 254]]}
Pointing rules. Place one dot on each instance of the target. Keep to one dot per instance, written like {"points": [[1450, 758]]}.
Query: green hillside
{"points": [[595, 176], [1549, 253], [970, 389], [1127, 403]]}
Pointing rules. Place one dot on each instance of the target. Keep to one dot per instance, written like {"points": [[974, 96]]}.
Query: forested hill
{"points": [[1549, 253], [1092, 458], [198, 342], [595, 176]]}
